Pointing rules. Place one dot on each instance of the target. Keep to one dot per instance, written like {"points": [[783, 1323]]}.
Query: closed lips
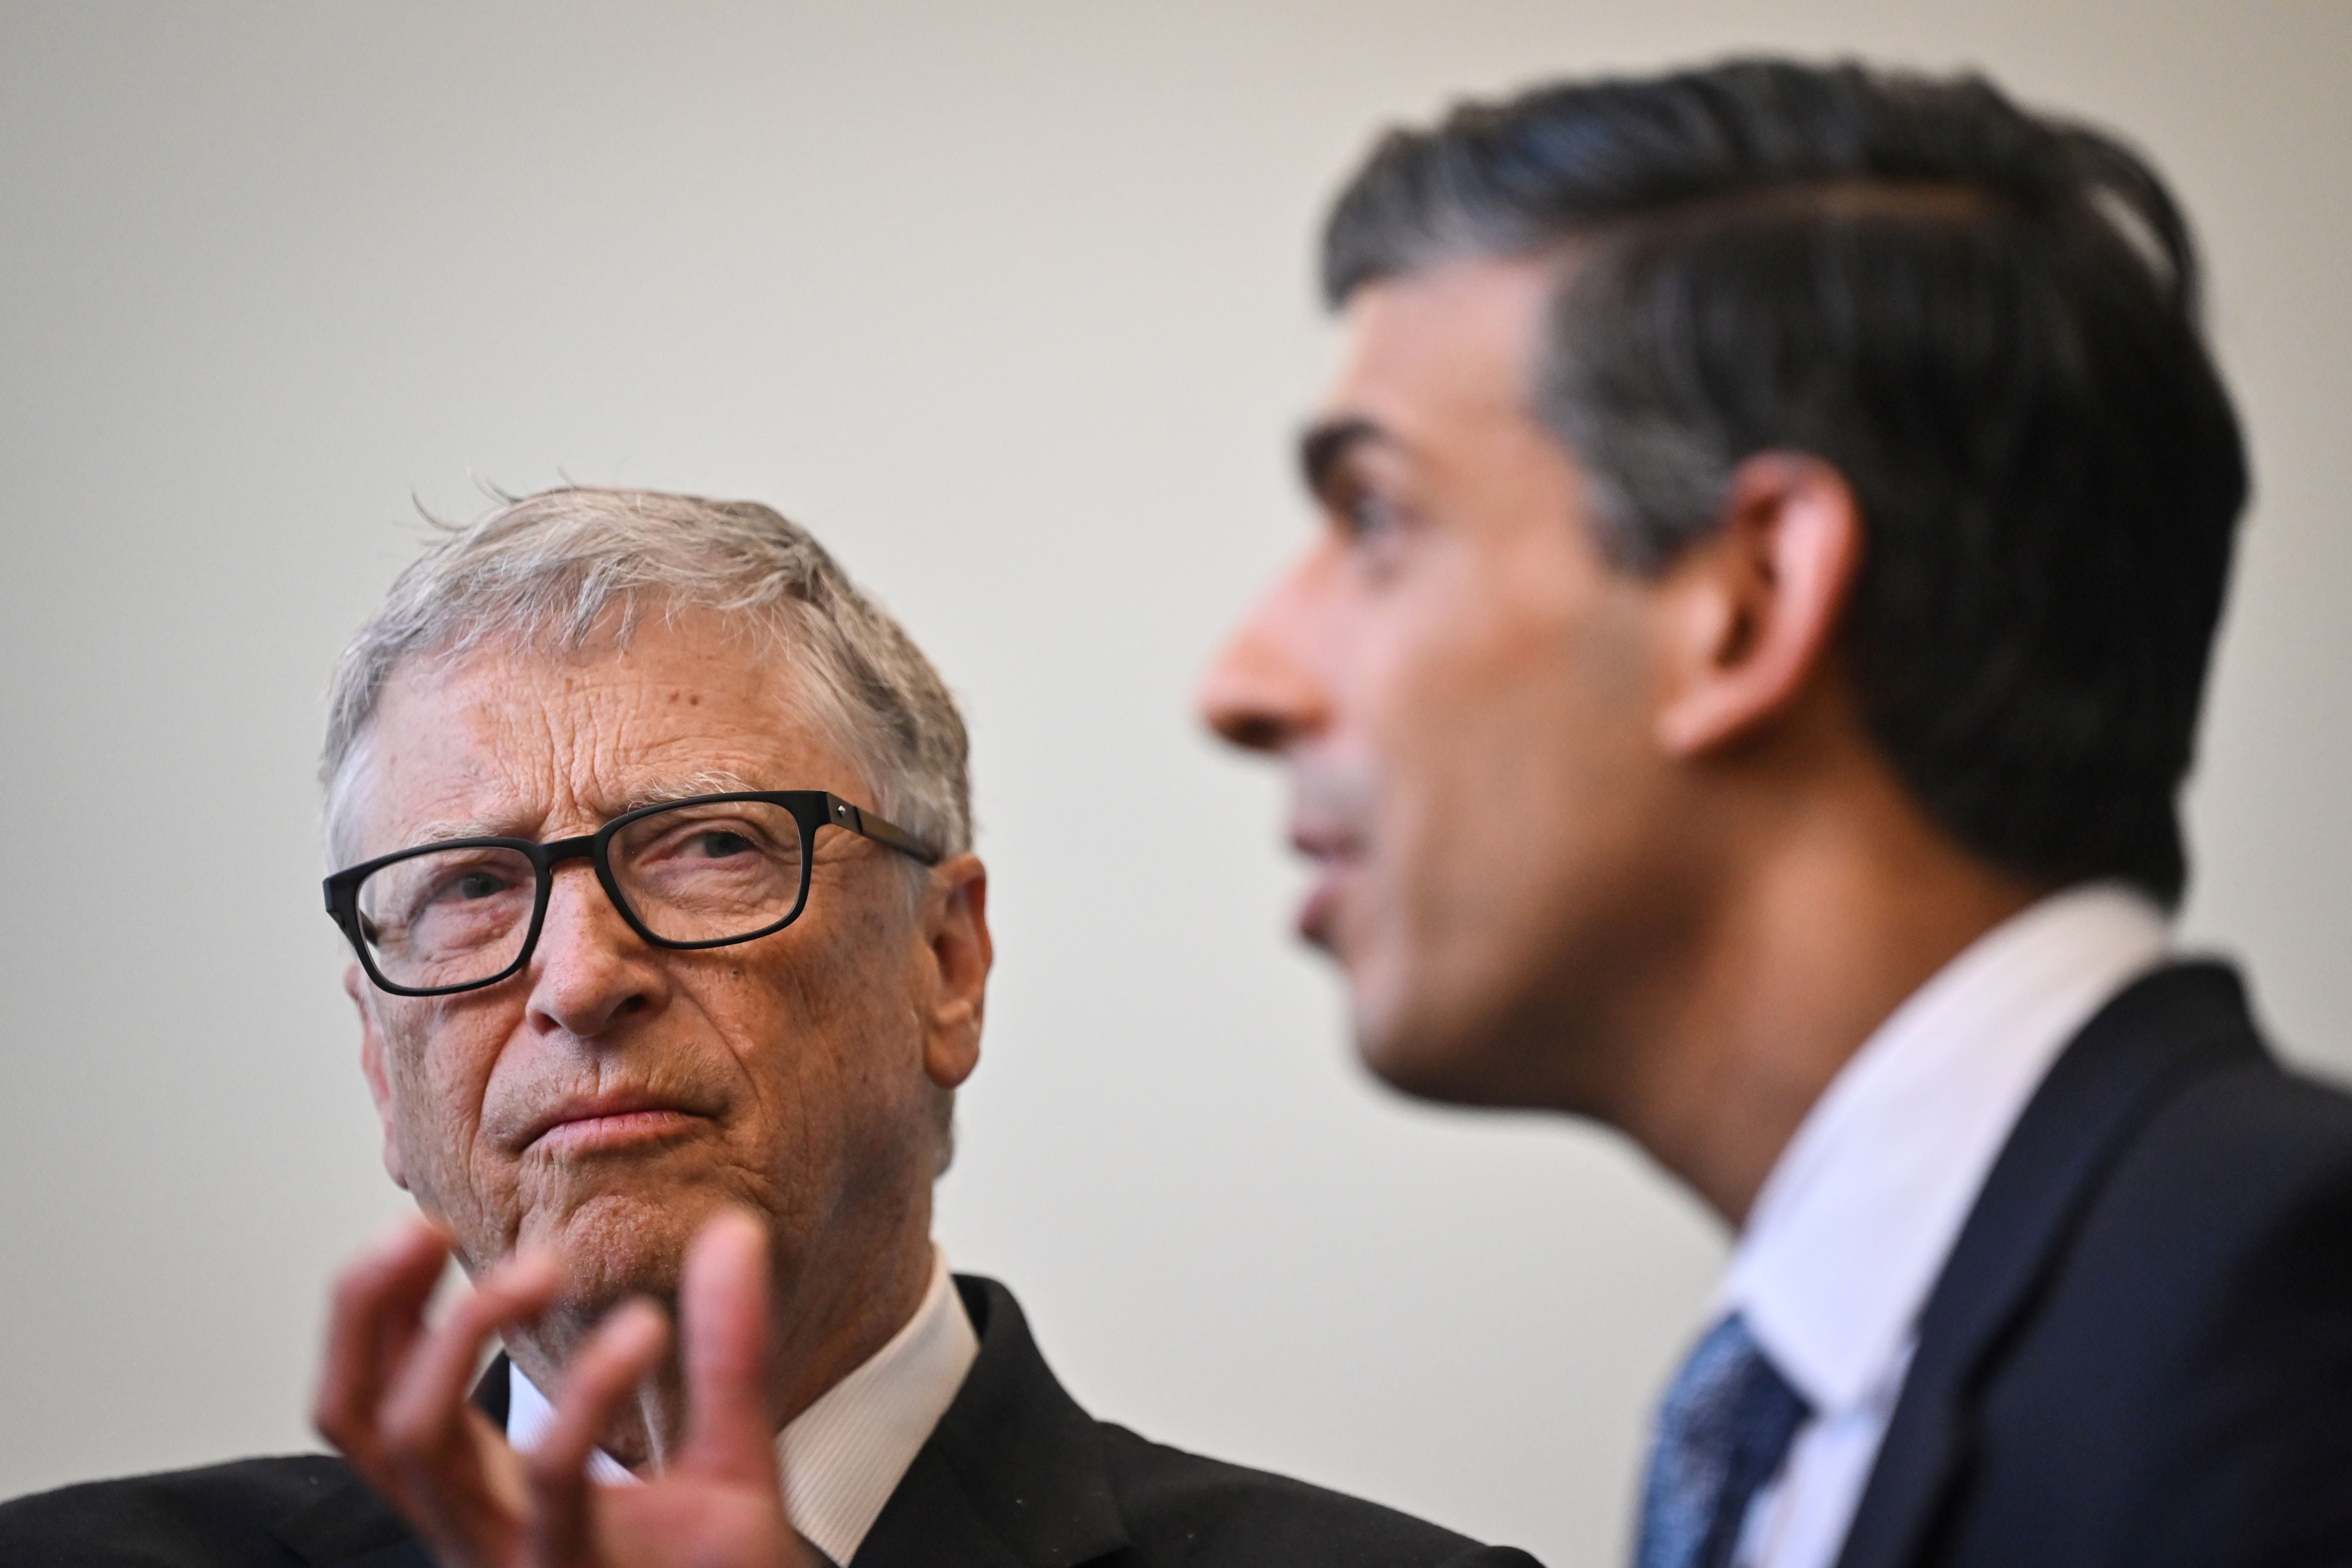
{"points": [[611, 1112]]}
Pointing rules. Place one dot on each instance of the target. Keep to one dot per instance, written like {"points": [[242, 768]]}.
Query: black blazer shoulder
{"points": [[2140, 1351], [297, 1511], [1016, 1475]]}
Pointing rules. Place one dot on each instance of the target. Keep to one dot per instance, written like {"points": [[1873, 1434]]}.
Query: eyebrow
{"points": [[714, 781], [711, 780], [1327, 443], [460, 827]]}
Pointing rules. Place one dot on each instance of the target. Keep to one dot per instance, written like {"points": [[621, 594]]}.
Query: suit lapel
{"points": [[2177, 1025], [1014, 1476], [932, 1517]]}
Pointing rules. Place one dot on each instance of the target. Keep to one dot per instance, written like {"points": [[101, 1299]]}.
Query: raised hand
{"points": [[392, 1395]]}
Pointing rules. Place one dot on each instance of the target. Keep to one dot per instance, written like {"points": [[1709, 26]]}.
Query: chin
{"points": [[616, 1245], [1448, 1054]]}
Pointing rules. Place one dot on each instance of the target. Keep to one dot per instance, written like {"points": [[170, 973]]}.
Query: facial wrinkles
{"points": [[581, 747], [439, 1108], [771, 1041], [573, 743], [845, 964]]}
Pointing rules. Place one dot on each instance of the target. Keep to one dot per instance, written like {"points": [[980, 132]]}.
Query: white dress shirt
{"points": [[1853, 1225], [845, 1455]]}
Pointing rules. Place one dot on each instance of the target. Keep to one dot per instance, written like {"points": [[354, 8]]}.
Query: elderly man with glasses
{"points": [[671, 950]]}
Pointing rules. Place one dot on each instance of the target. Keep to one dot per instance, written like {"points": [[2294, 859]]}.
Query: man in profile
{"points": [[1776, 519], [671, 952]]}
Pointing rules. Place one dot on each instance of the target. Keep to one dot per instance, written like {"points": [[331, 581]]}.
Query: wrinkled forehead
{"points": [[528, 741]]}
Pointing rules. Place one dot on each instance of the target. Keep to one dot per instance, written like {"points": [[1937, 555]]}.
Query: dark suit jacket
{"points": [[2140, 1351], [1015, 1475]]}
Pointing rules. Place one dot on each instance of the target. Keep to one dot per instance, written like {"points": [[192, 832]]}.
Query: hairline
{"points": [[805, 698]]}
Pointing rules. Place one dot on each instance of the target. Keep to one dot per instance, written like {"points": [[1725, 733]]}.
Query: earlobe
{"points": [[371, 1067], [1751, 612]]}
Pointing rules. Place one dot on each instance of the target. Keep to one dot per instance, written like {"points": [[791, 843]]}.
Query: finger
{"points": [[602, 1374], [428, 1393], [374, 1317], [431, 1434], [723, 1311]]}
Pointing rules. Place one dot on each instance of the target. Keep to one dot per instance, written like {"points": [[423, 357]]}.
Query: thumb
{"points": [[724, 1338]]}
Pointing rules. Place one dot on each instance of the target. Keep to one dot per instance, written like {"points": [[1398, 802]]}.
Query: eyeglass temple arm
{"points": [[879, 829]]}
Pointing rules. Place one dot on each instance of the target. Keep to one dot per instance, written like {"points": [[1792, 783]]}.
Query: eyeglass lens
{"points": [[695, 873]]}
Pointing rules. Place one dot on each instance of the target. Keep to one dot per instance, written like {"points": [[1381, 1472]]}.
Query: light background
{"points": [[1011, 303]]}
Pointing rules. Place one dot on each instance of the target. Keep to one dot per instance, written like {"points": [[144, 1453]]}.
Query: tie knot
{"points": [[1723, 1429]]}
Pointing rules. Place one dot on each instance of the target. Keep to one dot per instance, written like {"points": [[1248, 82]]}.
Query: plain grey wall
{"points": [[1011, 303]]}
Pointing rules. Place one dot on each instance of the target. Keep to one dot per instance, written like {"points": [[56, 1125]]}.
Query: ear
{"points": [[379, 1082], [956, 939], [1751, 612]]}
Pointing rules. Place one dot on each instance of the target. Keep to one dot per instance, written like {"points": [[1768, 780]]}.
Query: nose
{"points": [[1261, 691], [591, 970]]}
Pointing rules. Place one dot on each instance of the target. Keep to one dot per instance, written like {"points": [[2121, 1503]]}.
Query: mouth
{"points": [[610, 1120], [1336, 856]]}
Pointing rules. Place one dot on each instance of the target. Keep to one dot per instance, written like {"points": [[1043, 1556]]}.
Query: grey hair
{"points": [[551, 571], [557, 570]]}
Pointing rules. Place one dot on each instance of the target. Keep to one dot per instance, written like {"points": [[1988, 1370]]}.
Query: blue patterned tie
{"points": [[1722, 1432]]}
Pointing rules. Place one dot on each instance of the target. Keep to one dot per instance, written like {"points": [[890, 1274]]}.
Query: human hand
{"points": [[392, 1395]]}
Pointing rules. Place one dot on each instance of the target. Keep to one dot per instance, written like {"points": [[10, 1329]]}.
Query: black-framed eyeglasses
{"points": [[705, 871]]}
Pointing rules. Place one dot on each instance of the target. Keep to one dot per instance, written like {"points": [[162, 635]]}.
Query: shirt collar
{"points": [[845, 1455], [1854, 1223]]}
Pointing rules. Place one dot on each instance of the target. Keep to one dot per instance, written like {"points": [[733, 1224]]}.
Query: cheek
{"points": [[1465, 723], [821, 1032], [1512, 748], [439, 1066]]}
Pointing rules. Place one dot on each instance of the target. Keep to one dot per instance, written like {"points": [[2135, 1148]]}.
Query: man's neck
{"points": [[1816, 942], [830, 1315]]}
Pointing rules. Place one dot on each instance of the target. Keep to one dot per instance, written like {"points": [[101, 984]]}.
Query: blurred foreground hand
{"points": [[393, 1395]]}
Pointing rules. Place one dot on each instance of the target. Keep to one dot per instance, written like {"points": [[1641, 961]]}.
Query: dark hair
{"points": [[1985, 319]]}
